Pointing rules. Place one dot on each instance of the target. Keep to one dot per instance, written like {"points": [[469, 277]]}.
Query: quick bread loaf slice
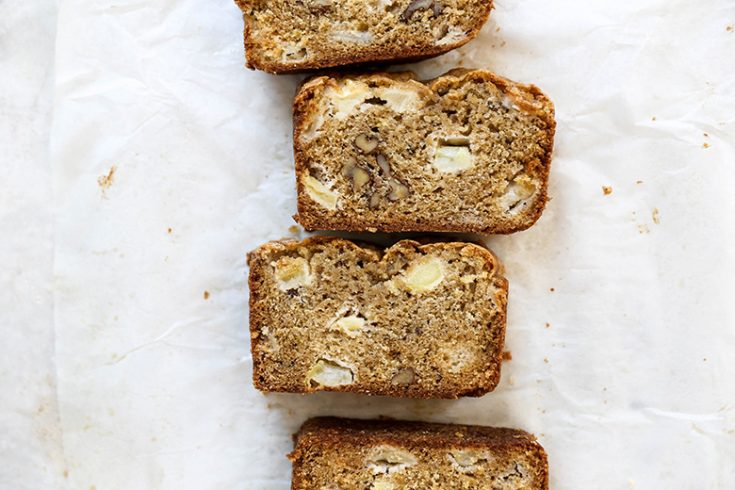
{"points": [[413, 320], [285, 36], [466, 152], [342, 454]]}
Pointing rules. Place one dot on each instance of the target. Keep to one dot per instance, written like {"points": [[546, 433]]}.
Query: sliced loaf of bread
{"points": [[285, 35], [469, 151], [414, 320], [342, 454]]}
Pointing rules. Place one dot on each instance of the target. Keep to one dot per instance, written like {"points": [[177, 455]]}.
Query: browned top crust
{"points": [[526, 98], [433, 29], [388, 431]]}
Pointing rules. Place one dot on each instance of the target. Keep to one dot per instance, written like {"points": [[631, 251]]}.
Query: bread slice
{"points": [[342, 454], [285, 36], [467, 152], [423, 321]]}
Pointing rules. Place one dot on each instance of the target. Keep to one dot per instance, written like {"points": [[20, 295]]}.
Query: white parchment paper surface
{"points": [[171, 161]]}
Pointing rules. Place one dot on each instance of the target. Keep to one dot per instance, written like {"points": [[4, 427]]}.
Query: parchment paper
{"points": [[171, 161], [31, 455]]}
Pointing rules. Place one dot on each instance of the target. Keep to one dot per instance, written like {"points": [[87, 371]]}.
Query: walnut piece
{"points": [[358, 175], [397, 190], [416, 5], [383, 164], [367, 143]]}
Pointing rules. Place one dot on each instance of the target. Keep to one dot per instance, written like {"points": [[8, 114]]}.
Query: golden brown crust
{"points": [[527, 98], [338, 435], [393, 53], [261, 259]]}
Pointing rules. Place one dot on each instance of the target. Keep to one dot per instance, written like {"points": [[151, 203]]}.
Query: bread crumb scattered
{"points": [[653, 118], [705, 145], [642, 229], [206, 294], [639, 182], [170, 230], [105, 181], [497, 29], [551, 290], [507, 356], [656, 218], [548, 325], [607, 190], [728, 28], [546, 360], [293, 229]]}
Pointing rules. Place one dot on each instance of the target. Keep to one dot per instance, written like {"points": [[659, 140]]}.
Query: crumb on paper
{"points": [[206, 294], [607, 190], [497, 29], [293, 229], [705, 145], [170, 230], [502, 44], [639, 182], [66, 473], [546, 360], [656, 217], [653, 118], [105, 181], [551, 290], [548, 325], [729, 28], [507, 355], [643, 229]]}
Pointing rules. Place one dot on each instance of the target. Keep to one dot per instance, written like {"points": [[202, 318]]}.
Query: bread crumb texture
{"points": [[469, 151], [344, 454], [413, 320], [285, 36]]}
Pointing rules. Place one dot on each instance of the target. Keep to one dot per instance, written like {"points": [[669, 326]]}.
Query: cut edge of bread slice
{"points": [[394, 444], [261, 257], [362, 55], [525, 97]]}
